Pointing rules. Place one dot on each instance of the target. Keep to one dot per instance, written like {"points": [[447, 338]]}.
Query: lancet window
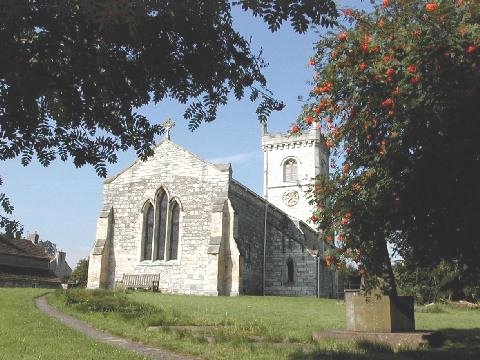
{"points": [[290, 271], [148, 232]]}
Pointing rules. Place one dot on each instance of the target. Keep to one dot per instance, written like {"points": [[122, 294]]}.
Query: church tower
{"points": [[290, 162]]}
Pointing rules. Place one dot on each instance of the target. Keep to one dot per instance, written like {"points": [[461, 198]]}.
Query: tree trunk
{"points": [[389, 275], [380, 278]]}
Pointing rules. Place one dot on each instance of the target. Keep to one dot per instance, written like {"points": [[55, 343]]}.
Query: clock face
{"points": [[290, 198]]}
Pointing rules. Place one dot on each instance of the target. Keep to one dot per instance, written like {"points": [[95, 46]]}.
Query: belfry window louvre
{"points": [[290, 170]]}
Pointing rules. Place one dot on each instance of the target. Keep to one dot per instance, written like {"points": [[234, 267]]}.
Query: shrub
{"points": [[106, 301], [79, 276]]}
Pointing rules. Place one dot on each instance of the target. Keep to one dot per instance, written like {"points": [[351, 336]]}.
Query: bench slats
{"points": [[140, 281]]}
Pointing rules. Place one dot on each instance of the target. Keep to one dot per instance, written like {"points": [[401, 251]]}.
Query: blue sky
{"points": [[62, 202]]}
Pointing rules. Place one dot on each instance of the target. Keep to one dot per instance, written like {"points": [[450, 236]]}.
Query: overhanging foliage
{"points": [[397, 97]]}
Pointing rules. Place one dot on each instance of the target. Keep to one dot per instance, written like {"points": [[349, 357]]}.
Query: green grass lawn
{"points": [[258, 327], [26, 333]]}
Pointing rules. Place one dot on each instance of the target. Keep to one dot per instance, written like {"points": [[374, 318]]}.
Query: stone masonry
{"points": [[222, 232]]}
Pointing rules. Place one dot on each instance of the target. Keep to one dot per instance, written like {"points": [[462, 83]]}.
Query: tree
{"points": [[73, 73], [396, 94], [79, 276], [10, 226], [49, 247], [445, 281]]}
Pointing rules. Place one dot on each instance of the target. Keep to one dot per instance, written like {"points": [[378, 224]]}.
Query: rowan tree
{"points": [[396, 93], [73, 73]]}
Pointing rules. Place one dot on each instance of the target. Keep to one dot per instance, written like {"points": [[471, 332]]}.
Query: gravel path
{"points": [[105, 337]]}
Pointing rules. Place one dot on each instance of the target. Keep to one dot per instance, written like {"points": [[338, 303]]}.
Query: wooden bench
{"points": [[139, 281]]}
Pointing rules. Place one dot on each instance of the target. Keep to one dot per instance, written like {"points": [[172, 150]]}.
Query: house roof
{"points": [[21, 247], [13, 273]]}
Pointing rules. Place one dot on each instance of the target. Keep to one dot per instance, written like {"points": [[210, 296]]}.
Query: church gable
{"points": [[162, 212], [170, 158]]}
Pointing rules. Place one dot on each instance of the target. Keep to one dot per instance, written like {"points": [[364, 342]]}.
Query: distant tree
{"points": [[445, 281], [396, 95], [79, 276], [73, 73], [350, 276], [49, 247]]}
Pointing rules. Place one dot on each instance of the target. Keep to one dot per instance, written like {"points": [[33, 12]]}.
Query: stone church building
{"points": [[204, 233]]}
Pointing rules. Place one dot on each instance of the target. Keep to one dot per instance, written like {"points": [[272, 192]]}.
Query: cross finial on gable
{"points": [[168, 125]]}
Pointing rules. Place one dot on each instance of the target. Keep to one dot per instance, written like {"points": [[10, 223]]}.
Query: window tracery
{"points": [[161, 228]]}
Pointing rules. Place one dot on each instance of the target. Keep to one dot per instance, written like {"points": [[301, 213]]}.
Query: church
{"points": [[201, 232]]}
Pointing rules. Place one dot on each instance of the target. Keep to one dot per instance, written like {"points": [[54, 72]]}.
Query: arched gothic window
{"points": [[161, 225], [290, 271], [290, 170], [174, 228], [148, 232], [161, 222]]}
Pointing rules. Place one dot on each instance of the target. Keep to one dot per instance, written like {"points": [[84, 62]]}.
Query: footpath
{"points": [[105, 337]]}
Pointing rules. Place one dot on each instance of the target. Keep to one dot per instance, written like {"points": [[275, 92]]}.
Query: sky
{"points": [[61, 203]]}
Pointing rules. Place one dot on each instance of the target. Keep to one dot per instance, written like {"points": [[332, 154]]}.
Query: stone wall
{"points": [[28, 283], [280, 249], [196, 185], [249, 230], [286, 239], [98, 264]]}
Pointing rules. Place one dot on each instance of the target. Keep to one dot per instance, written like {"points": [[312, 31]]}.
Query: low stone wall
{"points": [[28, 284]]}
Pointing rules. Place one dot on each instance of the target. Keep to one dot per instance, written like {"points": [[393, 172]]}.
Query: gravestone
{"points": [[381, 319], [379, 313]]}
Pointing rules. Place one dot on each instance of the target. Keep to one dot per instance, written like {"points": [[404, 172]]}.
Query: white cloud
{"points": [[235, 158]]}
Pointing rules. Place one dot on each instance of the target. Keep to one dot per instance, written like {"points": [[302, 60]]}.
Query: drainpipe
{"points": [[264, 247], [265, 225], [265, 191], [321, 251]]}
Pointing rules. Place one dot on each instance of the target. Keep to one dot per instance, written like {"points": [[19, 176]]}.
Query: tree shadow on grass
{"points": [[458, 345]]}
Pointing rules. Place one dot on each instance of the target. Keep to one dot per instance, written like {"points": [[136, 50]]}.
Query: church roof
{"points": [[263, 200], [21, 247], [309, 233]]}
